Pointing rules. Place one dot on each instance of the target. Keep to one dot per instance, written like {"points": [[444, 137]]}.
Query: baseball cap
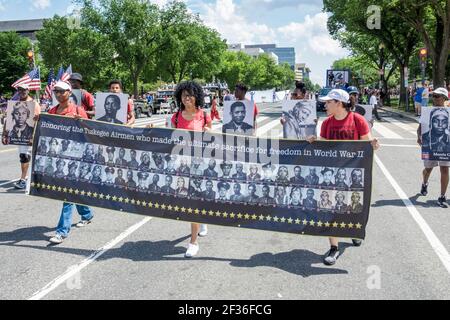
{"points": [[337, 94], [23, 86], [76, 76], [352, 89], [441, 91], [63, 85]]}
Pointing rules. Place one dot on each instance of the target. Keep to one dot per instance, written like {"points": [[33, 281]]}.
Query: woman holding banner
{"points": [[342, 124], [190, 116]]}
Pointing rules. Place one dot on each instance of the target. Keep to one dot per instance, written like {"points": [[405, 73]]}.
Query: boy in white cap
{"points": [[66, 108], [24, 151], [439, 96], [342, 124]]}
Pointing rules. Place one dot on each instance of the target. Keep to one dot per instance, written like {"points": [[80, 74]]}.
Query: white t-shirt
{"points": [[373, 100]]}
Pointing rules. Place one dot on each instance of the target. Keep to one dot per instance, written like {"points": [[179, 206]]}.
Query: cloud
{"points": [[41, 4]]}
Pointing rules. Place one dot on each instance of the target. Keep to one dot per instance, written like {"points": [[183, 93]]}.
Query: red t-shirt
{"points": [[71, 111], [87, 101], [351, 128], [196, 124], [130, 106]]}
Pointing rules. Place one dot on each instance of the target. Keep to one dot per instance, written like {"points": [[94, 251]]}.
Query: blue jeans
{"points": [[65, 221]]}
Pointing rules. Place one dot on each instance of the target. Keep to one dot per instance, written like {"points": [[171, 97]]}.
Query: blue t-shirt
{"points": [[418, 96], [150, 99]]}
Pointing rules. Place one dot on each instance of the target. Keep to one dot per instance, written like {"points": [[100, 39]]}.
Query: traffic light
{"points": [[423, 54]]}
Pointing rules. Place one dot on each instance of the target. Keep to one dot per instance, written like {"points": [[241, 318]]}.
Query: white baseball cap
{"points": [[25, 86], [63, 85], [337, 94], [441, 91]]}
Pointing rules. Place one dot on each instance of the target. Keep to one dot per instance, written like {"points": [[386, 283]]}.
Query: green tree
{"points": [[87, 51], [14, 63]]}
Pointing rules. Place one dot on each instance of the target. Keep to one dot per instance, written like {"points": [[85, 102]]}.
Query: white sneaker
{"points": [[83, 223], [57, 239], [192, 250], [203, 230]]}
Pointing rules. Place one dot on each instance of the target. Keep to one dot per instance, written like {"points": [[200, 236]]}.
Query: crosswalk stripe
{"points": [[385, 132], [404, 126]]}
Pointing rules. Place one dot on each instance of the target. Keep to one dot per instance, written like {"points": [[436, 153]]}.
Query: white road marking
{"points": [[385, 132], [72, 271], [435, 243], [400, 146], [410, 128], [7, 150], [12, 181]]}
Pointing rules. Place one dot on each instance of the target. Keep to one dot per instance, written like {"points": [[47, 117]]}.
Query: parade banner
{"points": [[19, 124], [320, 189], [435, 133]]}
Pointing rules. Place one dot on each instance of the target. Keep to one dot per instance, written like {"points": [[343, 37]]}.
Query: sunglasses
{"points": [[59, 91], [437, 96]]}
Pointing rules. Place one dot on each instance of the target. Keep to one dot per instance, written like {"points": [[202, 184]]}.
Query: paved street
{"points": [[126, 256]]}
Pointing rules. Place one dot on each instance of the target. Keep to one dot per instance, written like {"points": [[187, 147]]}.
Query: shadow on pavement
{"points": [[399, 203], [24, 234]]}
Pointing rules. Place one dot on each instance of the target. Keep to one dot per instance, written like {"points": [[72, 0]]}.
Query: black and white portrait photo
{"points": [[225, 170], [267, 195], [211, 170], [171, 164], [327, 177], [145, 162], [268, 175], [357, 179], [299, 119], [65, 151], [60, 166], [43, 146], [341, 205], [238, 117], [49, 169], [435, 131], [110, 156], [120, 181], [89, 153], [155, 182], [72, 170], [182, 185], [84, 172], [53, 147], [356, 202], [282, 176], [310, 203], [253, 194], [296, 176], [325, 202], [209, 193], [168, 187], [295, 197], [158, 161], [19, 124], [183, 166], [195, 188], [223, 189], [197, 167], [254, 174], [282, 195], [97, 173], [340, 179], [142, 181], [39, 165], [99, 158], [120, 160], [111, 107], [237, 193], [312, 179], [109, 176], [133, 164], [131, 180], [239, 171]]}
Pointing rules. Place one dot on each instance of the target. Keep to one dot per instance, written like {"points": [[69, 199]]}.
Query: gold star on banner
{"points": [[64, 189], [327, 224], [290, 220], [59, 189], [82, 193], [89, 194], [54, 188], [350, 225], [275, 219], [137, 202], [312, 223], [218, 213], [127, 200], [358, 226], [225, 215], [183, 209], [157, 205], [144, 204], [120, 199], [211, 213], [169, 207], [190, 210], [283, 219], [150, 204], [239, 216], [177, 208], [32, 185], [101, 196], [38, 185], [43, 186], [196, 211], [247, 216], [163, 206], [115, 199], [297, 221], [95, 195], [232, 215], [254, 217], [70, 190], [204, 212], [320, 224], [343, 225], [305, 223], [261, 217], [335, 224], [269, 218], [132, 200]]}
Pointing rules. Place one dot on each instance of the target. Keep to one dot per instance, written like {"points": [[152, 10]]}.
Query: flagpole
{"points": [[34, 66]]}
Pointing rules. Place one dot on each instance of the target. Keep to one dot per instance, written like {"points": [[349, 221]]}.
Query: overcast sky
{"points": [[294, 23]]}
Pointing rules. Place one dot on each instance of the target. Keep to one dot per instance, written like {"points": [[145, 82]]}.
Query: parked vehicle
{"points": [[142, 107]]}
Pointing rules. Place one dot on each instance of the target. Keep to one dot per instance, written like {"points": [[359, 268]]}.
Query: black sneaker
{"points": [[357, 243], [442, 202], [424, 190], [21, 184], [331, 257]]}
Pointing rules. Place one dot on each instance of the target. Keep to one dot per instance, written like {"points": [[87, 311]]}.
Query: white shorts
{"points": [[433, 164], [25, 150]]}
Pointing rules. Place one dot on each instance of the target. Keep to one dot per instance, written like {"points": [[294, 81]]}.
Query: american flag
{"points": [[33, 79], [60, 73], [50, 83], [66, 76]]}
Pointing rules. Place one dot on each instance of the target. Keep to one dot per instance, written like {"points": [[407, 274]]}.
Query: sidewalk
{"points": [[402, 113]]}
